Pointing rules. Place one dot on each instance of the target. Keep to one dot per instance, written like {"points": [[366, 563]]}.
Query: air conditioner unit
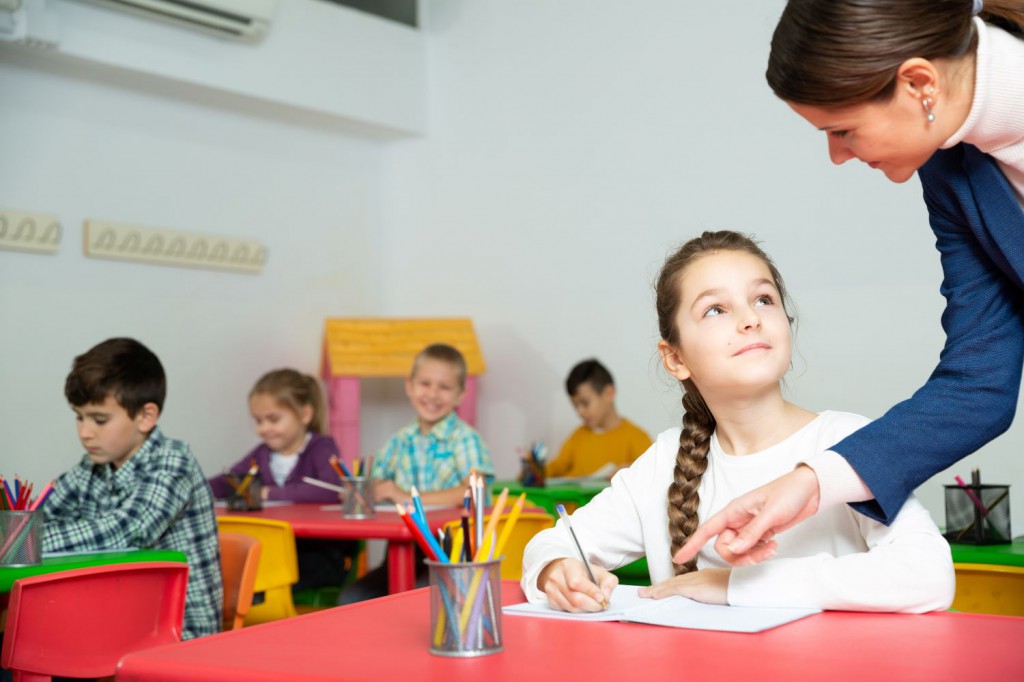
{"points": [[244, 19]]}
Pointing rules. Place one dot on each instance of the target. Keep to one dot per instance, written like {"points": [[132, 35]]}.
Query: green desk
{"points": [[1010, 554], [52, 564], [573, 495]]}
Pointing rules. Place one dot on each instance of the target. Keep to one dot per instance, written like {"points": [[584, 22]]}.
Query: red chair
{"points": [[80, 623]]}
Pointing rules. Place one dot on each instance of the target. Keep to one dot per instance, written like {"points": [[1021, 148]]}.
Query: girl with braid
{"points": [[726, 337]]}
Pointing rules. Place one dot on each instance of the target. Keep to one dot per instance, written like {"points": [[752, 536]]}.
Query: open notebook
{"points": [[599, 476], [677, 612]]}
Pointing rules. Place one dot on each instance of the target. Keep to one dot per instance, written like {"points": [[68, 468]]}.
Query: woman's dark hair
{"points": [[834, 53]]}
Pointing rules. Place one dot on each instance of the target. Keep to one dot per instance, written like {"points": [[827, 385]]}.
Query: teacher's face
{"points": [[894, 137]]}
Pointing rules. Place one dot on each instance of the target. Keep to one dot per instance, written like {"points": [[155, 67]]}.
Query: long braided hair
{"points": [[698, 422]]}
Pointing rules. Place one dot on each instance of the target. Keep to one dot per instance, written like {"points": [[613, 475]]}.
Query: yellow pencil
{"points": [[510, 522], [253, 470], [482, 554], [492, 524], [456, 546]]}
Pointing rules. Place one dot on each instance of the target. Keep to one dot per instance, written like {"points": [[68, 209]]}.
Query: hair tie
{"points": [[978, 6]]}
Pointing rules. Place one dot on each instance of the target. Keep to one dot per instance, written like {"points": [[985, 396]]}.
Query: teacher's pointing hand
{"points": [[747, 527]]}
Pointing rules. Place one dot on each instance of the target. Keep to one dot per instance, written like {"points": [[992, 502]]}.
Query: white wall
{"points": [[90, 140], [569, 145], [572, 144]]}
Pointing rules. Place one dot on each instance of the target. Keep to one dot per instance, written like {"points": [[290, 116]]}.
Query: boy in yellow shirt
{"points": [[606, 442]]}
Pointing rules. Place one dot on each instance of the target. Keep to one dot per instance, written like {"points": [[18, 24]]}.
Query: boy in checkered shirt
{"points": [[134, 487]]}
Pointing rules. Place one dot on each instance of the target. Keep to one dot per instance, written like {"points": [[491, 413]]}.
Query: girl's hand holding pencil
{"points": [[563, 584], [568, 586]]}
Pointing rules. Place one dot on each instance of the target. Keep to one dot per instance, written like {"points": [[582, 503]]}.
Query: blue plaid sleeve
{"points": [[158, 499]]}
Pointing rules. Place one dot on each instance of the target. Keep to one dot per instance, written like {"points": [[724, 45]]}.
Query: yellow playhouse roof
{"points": [[383, 347]]}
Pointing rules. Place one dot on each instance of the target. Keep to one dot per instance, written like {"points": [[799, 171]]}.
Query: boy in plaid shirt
{"points": [[134, 487]]}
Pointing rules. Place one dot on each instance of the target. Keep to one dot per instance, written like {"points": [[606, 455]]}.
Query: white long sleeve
{"points": [[837, 559]]}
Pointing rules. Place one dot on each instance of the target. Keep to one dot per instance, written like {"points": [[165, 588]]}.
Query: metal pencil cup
{"points": [[978, 514], [531, 474], [249, 499], [21, 538], [358, 503], [465, 608]]}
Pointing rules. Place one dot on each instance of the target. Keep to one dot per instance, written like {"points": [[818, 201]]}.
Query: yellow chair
{"points": [[528, 525], [278, 567], [989, 588], [239, 561]]}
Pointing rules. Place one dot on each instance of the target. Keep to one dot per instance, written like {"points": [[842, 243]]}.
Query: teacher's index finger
{"points": [[707, 530]]}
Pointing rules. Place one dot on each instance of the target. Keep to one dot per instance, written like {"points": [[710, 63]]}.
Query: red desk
{"points": [[387, 639], [313, 521]]}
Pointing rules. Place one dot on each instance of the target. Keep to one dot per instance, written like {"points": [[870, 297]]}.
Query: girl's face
{"points": [[278, 425], [734, 334], [894, 137]]}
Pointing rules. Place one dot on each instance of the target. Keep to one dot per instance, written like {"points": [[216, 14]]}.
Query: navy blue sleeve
{"points": [[971, 396]]}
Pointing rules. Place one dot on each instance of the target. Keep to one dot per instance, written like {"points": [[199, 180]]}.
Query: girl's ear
{"points": [[306, 415], [673, 361]]}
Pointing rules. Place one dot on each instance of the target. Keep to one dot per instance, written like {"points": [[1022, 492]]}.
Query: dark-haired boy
{"points": [[605, 442], [134, 487]]}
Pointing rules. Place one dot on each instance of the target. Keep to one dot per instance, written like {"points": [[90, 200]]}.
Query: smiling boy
{"points": [[134, 487], [436, 452]]}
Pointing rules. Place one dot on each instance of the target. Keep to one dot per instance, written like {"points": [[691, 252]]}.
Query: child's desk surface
{"points": [[1010, 554], [570, 494], [327, 522], [68, 561], [387, 639]]}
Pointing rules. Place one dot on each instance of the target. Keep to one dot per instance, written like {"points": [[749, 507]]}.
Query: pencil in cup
{"points": [[21, 538], [454, 590], [359, 507]]}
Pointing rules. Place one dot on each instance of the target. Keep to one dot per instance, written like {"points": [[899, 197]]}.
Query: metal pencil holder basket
{"points": [[21, 538], [531, 474], [249, 499], [978, 514]]}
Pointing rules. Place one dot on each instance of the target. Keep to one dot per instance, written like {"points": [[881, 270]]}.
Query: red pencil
{"points": [[26, 492], [47, 489], [416, 534]]}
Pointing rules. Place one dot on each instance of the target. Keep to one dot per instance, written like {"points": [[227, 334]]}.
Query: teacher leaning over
{"points": [[937, 87]]}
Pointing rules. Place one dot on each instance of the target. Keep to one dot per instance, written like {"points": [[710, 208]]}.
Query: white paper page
{"points": [[624, 598], [599, 476], [223, 504], [679, 612], [387, 506]]}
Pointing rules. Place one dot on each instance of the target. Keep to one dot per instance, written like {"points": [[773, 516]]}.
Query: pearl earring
{"points": [[927, 104]]}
